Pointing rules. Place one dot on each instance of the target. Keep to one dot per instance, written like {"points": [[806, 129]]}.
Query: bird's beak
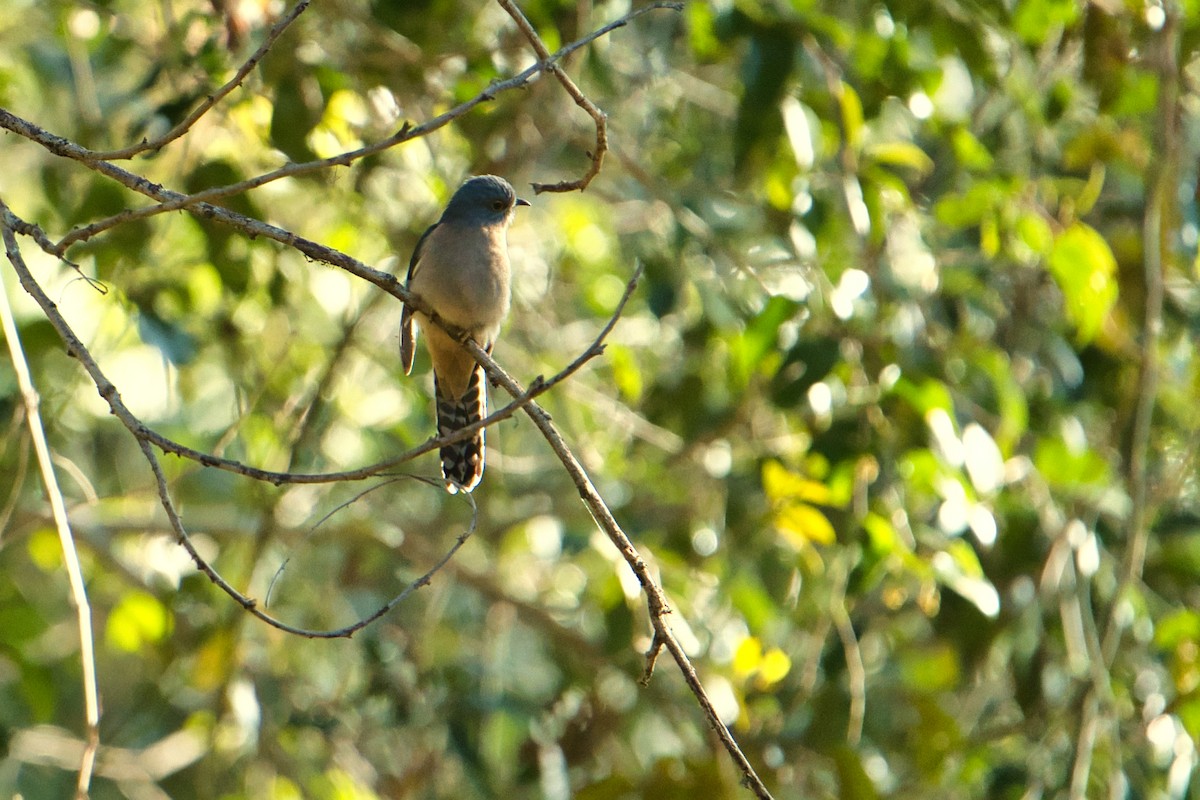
{"points": [[520, 202]]}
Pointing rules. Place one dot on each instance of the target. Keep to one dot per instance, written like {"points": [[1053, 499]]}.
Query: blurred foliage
{"points": [[872, 413]]}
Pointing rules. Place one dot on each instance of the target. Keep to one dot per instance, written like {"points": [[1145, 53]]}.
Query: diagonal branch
{"points": [[109, 392], [656, 600], [200, 201], [141, 431], [147, 438], [211, 100]]}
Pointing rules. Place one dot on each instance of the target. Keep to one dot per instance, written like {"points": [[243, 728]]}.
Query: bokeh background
{"points": [[903, 413]]}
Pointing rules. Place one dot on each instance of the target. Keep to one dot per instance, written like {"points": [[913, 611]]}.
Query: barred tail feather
{"points": [[462, 462]]}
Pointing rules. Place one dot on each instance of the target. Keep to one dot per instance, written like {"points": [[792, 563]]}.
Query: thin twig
{"points": [[581, 100], [58, 507], [1081, 766], [17, 477], [172, 201], [211, 100]]}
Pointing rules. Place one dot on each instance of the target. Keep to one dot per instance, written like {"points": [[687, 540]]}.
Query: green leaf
{"points": [[854, 783], [901, 154], [931, 669], [971, 152], [782, 485], [852, 116], [139, 619], [1085, 269], [1068, 467], [925, 396], [1033, 230], [1035, 19], [760, 338], [627, 377], [958, 569], [1176, 628]]}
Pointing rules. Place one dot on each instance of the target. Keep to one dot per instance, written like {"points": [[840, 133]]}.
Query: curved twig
{"points": [[1156, 230], [550, 63]]}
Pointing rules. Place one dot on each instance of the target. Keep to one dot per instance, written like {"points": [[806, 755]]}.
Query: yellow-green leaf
{"points": [[774, 667], [852, 115], [801, 524], [781, 485], [139, 619], [902, 154], [1084, 266], [45, 550]]}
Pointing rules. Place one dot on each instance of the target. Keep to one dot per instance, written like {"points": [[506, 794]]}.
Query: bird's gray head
{"points": [[484, 199]]}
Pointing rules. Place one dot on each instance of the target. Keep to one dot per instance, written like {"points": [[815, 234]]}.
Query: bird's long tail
{"points": [[462, 462]]}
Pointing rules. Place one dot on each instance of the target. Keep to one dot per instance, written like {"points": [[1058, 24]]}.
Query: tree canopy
{"points": [[873, 324]]}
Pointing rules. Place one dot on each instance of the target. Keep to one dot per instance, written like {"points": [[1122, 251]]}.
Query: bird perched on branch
{"points": [[460, 268]]}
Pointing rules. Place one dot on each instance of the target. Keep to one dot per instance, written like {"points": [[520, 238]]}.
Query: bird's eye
{"points": [[497, 205]]}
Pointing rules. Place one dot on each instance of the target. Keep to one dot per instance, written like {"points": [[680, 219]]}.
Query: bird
{"points": [[460, 268]]}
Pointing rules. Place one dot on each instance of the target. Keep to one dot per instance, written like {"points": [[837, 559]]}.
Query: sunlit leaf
{"points": [[1063, 465], [901, 154], [852, 115], [702, 37], [1034, 19], [925, 396], [804, 524], [781, 484], [138, 620], [774, 667], [1177, 627], [970, 151], [45, 550], [957, 567], [1035, 233], [627, 376], [1084, 267], [747, 657], [757, 347]]}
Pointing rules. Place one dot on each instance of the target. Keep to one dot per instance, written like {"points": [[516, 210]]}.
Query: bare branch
{"points": [[58, 507], [109, 392], [853, 655], [211, 100], [141, 431], [147, 438], [551, 64], [656, 600], [543, 54], [200, 201]]}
